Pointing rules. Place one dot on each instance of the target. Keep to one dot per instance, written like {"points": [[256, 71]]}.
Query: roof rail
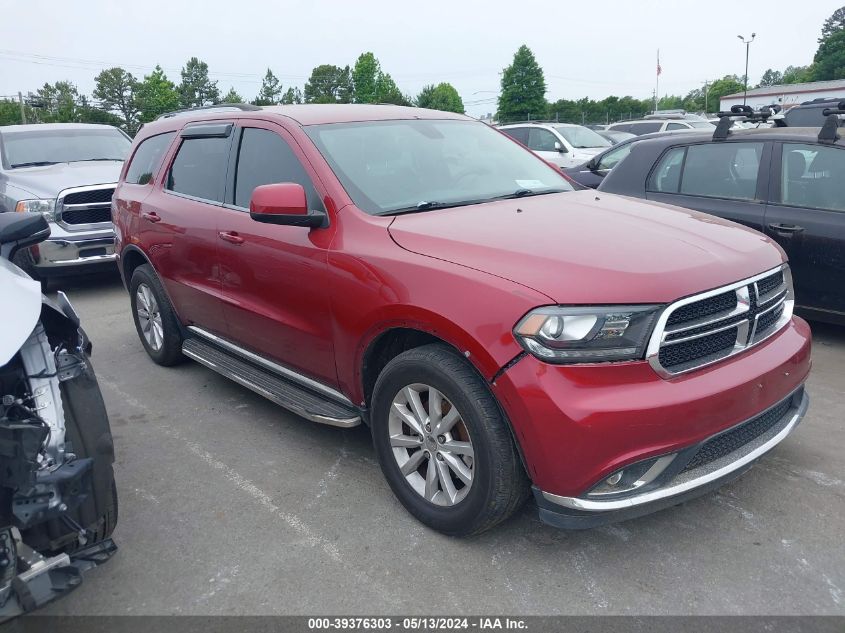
{"points": [[742, 112], [217, 107], [830, 130]]}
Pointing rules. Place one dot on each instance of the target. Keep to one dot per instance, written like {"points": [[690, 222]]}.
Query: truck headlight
{"points": [[560, 334], [46, 207]]}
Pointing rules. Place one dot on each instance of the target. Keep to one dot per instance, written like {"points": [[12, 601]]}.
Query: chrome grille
{"points": [[703, 329], [82, 208]]}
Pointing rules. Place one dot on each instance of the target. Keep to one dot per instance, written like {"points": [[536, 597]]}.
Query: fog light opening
{"points": [[615, 478]]}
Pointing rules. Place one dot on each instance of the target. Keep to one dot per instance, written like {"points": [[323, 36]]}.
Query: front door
{"points": [[275, 278], [807, 218]]}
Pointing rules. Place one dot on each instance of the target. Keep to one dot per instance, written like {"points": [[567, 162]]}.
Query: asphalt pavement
{"points": [[230, 505]]}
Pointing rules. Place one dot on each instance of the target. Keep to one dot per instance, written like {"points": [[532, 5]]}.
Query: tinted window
{"points": [[645, 127], [541, 140], [518, 133], [147, 158], [612, 158], [722, 170], [621, 127], [199, 169], [676, 126], [667, 176], [813, 176], [265, 158]]}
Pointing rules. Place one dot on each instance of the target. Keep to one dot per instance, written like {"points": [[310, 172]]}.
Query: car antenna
{"points": [[830, 130]]}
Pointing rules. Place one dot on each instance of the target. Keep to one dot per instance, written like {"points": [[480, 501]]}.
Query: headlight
{"points": [[45, 207], [586, 334]]}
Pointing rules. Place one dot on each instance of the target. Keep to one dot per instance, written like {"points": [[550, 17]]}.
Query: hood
{"points": [[21, 298], [588, 152], [586, 247], [49, 180]]}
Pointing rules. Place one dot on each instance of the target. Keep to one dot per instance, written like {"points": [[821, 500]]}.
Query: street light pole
{"points": [[747, 49]]}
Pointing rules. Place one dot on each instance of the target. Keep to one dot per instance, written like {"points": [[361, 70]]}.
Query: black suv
{"points": [[810, 113], [786, 182]]}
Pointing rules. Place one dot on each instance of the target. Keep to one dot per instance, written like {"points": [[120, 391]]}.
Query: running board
{"points": [[271, 385]]}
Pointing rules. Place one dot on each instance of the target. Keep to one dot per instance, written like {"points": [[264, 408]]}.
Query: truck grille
{"points": [[85, 206], [712, 326]]}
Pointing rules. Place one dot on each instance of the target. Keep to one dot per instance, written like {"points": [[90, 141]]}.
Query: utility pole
{"points": [[706, 86], [23, 111], [747, 48]]}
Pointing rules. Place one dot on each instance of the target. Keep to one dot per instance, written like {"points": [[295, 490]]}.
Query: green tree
{"points": [[291, 95], [523, 94], [829, 62], [231, 97], [834, 23], [388, 92], [727, 85], [771, 78], [57, 103], [329, 84], [115, 88], [10, 112], [365, 76], [443, 96], [196, 88], [270, 90], [797, 74], [155, 95]]}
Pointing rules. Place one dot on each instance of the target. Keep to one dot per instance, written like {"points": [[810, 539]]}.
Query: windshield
{"points": [[579, 137], [49, 146], [391, 166]]}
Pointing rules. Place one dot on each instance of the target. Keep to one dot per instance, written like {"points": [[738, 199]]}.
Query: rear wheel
{"points": [[155, 320], [443, 443]]}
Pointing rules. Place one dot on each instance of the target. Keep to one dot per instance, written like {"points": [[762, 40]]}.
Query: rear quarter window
{"points": [[147, 158]]}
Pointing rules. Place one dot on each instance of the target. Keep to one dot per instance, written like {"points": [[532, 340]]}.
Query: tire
{"points": [[498, 484], [88, 432], [161, 334]]}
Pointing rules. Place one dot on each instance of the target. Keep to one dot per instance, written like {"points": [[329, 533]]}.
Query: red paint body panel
{"points": [[317, 299]]}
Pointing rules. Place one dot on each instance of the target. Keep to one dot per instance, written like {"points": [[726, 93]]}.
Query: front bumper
{"points": [[677, 484], [576, 425], [72, 251]]}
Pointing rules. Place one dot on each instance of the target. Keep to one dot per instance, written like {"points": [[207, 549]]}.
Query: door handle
{"points": [[786, 230], [230, 236], [152, 216]]}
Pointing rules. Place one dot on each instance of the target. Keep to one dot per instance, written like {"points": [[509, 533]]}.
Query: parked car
{"points": [[67, 172], [58, 501], [562, 144], [419, 272], [811, 113], [615, 137], [663, 122], [784, 182]]}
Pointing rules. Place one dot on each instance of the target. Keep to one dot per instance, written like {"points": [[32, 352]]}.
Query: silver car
{"points": [[67, 172]]}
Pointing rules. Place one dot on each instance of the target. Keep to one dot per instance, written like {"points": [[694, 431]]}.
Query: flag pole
{"points": [[657, 82]]}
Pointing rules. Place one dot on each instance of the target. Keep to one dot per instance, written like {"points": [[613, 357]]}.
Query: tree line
{"points": [[120, 99], [523, 86]]}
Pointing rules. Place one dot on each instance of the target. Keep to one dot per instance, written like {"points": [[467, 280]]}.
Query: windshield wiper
{"points": [[522, 193], [425, 205], [86, 160], [35, 163]]}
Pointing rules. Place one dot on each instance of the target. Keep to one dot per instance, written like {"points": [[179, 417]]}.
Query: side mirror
{"points": [[560, 148], [20, 230], [283, 203]]}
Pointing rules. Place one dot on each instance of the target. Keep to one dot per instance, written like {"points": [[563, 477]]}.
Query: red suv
{"points": [[422, 273]]}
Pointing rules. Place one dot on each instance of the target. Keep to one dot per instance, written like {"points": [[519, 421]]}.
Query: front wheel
{"points": [[443, 443]]}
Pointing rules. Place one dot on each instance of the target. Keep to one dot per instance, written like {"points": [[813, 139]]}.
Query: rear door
{"points": [[807, 218], [275, 278], [721, 178], [178, 223], [548, 147]]}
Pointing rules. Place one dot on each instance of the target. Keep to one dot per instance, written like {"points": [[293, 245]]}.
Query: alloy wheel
{"points": [[431, 444], [149, 317]]}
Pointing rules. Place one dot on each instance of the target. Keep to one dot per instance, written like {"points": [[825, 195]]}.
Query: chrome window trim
{"points": [[743, 340], [274, 367], [592, 505]]}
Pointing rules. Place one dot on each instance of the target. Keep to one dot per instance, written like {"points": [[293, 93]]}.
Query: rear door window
{"points": [[677, 126], [199, 169], [813, 176], [646, 127], [147, 158], [265, 158], [518, 133]]}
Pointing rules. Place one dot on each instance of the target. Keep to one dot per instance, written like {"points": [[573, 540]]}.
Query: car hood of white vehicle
{"points": [[21, 298]]}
